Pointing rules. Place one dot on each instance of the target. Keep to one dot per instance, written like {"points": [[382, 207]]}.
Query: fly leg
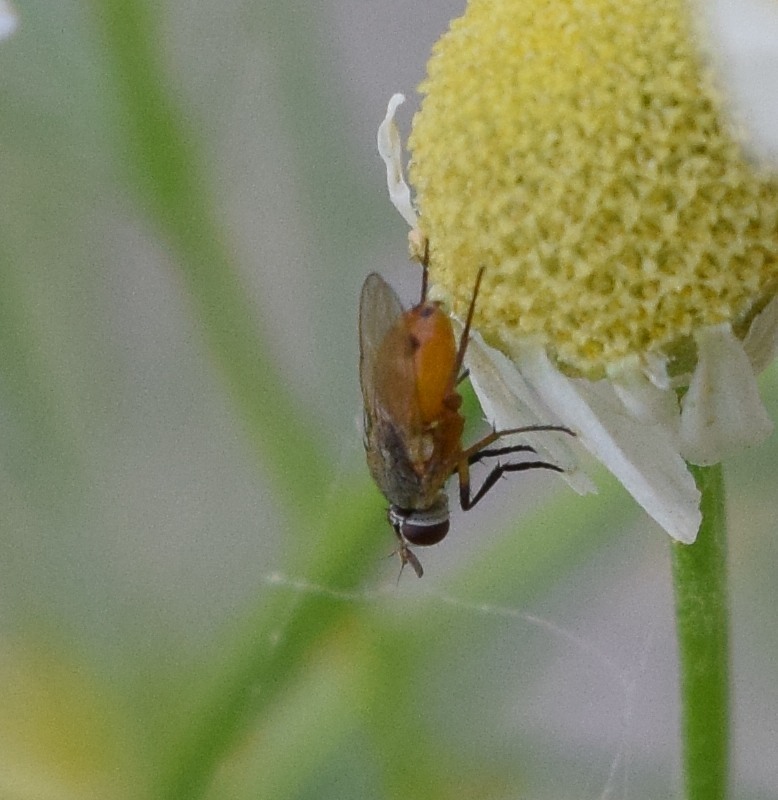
{"points": [[490, 438], [467, 499], [493, 452], [481, 450]]}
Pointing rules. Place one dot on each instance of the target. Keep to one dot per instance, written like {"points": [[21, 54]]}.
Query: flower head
{"points": [[578, 152]]}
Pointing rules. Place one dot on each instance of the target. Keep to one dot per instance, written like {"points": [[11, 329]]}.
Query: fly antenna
{"points": [[425, 262], [468, 322]]}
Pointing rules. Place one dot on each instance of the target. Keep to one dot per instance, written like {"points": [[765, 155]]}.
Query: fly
{"points": [[410, 365]]}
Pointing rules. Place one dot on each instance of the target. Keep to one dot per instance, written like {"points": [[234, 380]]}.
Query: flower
{"points": [[9, 20], [579, 152], [745, 33], [61, 735]]}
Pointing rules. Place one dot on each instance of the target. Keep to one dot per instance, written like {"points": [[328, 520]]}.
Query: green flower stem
{"points": [[701, 609], [165, 168]]}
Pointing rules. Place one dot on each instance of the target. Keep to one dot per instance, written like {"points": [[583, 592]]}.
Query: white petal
{"points": [[643, 457], [644, 399], [390, 150], [745, 35], [761, 343], [509, 402], [655, 367], [9, 21], [722, 411]]}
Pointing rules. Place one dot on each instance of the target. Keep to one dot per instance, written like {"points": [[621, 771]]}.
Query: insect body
{"points": [[409, 368]]}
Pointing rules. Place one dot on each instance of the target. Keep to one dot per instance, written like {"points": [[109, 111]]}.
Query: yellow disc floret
{"points": [[577, 150]]}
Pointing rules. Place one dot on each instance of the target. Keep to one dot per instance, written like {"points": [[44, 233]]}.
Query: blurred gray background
{"points": [[138, 524]]}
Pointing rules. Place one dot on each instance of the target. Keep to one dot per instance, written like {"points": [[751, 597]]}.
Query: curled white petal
{"points": [[722, 411], [655, 368], [642, 456], [761, 343], [644, 399], [9, 20], [390, 150], [509, 402], [745, 35]]}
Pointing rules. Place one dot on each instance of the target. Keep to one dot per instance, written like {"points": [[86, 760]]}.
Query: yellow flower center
{"points": [[577, 150]]}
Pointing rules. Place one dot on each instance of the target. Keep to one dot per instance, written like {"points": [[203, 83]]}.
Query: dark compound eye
{"points": [[421, 527], [422, 533]]}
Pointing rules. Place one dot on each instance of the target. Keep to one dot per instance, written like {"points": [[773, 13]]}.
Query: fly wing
{"points": [[393, 428], [379, 309]]}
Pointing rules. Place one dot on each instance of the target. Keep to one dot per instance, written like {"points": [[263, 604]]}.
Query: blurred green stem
{"points": [[165, 166], [702, 620]]}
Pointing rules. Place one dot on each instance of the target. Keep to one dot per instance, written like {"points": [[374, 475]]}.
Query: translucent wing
{"points": [[379, 309], [386, 374]]}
